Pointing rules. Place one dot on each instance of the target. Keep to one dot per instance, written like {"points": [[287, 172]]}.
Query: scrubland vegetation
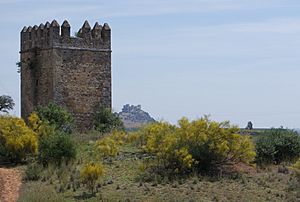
{"points": [[199, 160]]}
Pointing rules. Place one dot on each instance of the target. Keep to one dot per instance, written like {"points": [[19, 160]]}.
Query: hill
{"points": [[134, 117]]}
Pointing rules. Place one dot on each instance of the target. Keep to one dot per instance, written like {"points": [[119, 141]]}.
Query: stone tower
{"points": [[73, 72]]}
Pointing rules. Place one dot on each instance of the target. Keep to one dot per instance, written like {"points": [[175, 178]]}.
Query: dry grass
{"points": [[124, 181]]}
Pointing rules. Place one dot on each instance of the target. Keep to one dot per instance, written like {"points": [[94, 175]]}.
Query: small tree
{"points": [[90, 173], [106, 121], [6, 103]]}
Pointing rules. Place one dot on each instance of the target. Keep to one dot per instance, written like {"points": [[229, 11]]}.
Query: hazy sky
{"points": [[237, 60]]}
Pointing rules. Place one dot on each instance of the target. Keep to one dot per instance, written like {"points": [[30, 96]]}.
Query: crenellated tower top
{"points": [[55, 36]]}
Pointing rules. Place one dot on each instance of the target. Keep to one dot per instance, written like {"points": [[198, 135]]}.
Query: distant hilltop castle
{"points": [[134, 117], [73, 72]]}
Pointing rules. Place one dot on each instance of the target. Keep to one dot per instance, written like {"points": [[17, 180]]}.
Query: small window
{"points": [[37, 82]]}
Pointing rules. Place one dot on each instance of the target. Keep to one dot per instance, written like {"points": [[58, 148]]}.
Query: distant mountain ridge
{"points": [[134, 117]]}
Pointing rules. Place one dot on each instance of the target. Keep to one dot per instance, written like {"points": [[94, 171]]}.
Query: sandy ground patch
{"points": [[10, 183]]}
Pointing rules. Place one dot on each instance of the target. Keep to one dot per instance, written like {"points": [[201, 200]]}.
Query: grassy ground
{"points": [[123, 181]]}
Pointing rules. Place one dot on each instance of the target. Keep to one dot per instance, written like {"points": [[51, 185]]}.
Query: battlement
{"points": [[55, 36]]}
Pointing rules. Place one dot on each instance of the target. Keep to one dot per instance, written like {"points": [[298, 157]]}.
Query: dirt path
{"points": [[10, 182]]}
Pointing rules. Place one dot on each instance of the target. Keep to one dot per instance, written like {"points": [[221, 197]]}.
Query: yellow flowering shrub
{"points": [[34, 122], [214, 143], [41, 128], [55, 146], [119, 137], [106, 147], [16, 139], [109, 145], [185, 158], [201, 144], [90, 173], [133, 138]]}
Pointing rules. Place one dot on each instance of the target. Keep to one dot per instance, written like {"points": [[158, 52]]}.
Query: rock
{"points": [[134, 117]]}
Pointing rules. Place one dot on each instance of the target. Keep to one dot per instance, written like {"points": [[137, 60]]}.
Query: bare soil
{"points": [[10, 183]]}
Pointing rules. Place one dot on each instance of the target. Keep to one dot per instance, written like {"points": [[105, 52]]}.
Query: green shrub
{"points": [[201, 144], [33, 172], [277, 145], [56, 148], [105, 121], [16, 139], [56, 116]]}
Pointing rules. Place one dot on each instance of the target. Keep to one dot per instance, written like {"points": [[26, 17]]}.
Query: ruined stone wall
{"points": [[74, 72]]}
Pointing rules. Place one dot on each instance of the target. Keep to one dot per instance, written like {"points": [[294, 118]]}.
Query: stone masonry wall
{"points": [[82, 82], [36, 83], [74, 72]]}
